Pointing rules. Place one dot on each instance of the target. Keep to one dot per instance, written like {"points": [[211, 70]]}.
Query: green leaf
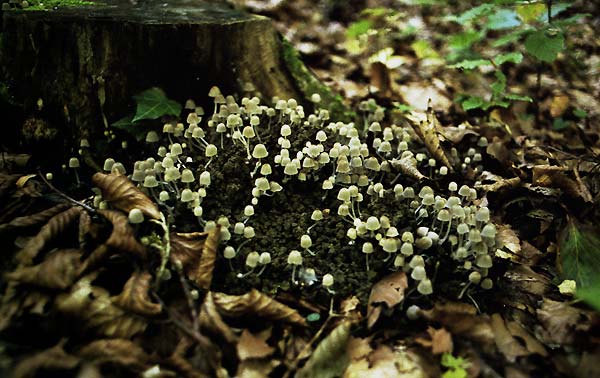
{"points": [[580, 113], [580, 255], [544, 45], [423, 49], [313, 317], [516, 97], [513, 57], [473, 13], [455, 373], [153, 104], [530, 12], [451, 362], [509, 38], [128, 124], [559, 124], [471, 64], [498, 86], [464, 40], [473, 102], [591, 295], [358, 28], [503, 19]]}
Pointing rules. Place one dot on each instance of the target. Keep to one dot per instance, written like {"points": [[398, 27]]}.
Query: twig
{"points": [[65, 196]]}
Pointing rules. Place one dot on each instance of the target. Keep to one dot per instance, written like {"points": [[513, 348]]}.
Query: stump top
{"points": [[146, 12]]}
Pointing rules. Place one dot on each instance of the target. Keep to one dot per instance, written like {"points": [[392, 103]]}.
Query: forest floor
{"points": [[491, 113]]}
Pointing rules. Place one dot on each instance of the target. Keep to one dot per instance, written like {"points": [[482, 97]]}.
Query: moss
{"points": [[44, 5], [308, 84]]}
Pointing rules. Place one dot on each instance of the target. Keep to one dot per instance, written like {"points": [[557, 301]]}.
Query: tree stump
{"points": [[87, 62]]}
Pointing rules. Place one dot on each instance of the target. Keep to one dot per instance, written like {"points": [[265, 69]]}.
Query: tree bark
{"points": [[86, 63]]}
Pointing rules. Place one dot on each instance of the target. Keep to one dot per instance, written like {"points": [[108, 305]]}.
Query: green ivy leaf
{"points": [[545, 45], [580, 113], [470, 64], [358, 28], [580, 255], [128, 124], [464, 40], [503, 19], [473, 102], [153, 104], [513, 57]]}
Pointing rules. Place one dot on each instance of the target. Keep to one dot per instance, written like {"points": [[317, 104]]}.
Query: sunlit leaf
{"points": [[423, 49], [153, 104], [513, 57], [580, 255], [530, 12], [471, 64], [503, 19], [358, 28], [473, 13]]}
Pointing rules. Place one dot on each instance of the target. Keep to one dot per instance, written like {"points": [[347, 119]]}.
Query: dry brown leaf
{"points": [[210, 320], [531, 343], [389, 290], [461, 319], [349, 308], [427, 129], [556, 177], [187, 249], [440, 341], [120, 352], [508, 239], [93, 306], [256, 368], [561, 322], [408, 166], [499, 185], [387, 363], [54, 358], [456, 134], [85, 224], [380, 78], [258, 304], [55, 227], [124, 195], [180, 361], [524, 279], [254, 346], [358, 348], [33, 219], [506, 343], [204, 273], [122, 237], [134, 296], [559, 105], [58, 271]]}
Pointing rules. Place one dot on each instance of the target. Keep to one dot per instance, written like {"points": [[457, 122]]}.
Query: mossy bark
{"points": [[86, 63]]}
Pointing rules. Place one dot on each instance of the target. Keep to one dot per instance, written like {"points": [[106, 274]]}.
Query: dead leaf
{"points": [[499, 185], [197, 252], [508, 239], [561, 323], [33, 219], [408, 166], [358, 348], [387, 363], [559, 105], [124, 195], [427, 130], [51, 359], [120, 352], [122, 237], [55, 227], [531, 343], [256, 303], [381, 78], [349, 308], [329, 357], [508, 346], [58, 271], [461, 319], [389, 290], [440, 341], [211, 321], [456, 134], [134, 296], [553, 176], [94, 308], [85, 224], [523, 278], [256, 368], [254, 346]]}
